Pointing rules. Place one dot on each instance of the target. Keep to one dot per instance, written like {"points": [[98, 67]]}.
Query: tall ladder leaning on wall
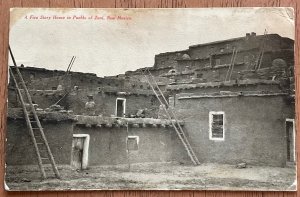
{"points": [[182, 136], [41, 146], [261, 52]]}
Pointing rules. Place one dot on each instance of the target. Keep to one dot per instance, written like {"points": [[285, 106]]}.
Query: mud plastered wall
{"points": [[108, 145], [106, 103], [254, 129], [207, 54], [58, 134]]}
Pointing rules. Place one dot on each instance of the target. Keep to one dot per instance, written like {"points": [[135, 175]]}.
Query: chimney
{"points": [[247, 36]]}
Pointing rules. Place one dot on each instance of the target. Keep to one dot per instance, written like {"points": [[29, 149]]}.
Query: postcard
{"points": [[151, 99]]}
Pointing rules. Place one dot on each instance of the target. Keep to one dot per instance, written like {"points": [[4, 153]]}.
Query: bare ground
{"points": [[156, 176]]}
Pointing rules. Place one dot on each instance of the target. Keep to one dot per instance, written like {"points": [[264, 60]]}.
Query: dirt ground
{"points": [[156, 176]]}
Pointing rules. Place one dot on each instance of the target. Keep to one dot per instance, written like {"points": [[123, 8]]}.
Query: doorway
{"points": [[80, 151], [120, 107], [290, 139]]}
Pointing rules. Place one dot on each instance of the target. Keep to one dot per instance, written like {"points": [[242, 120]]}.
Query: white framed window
{"points": [[120, 107], [132, 143], [217, 125]]}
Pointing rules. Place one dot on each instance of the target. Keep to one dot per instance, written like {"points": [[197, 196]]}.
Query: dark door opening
{"points": [[290, 140], [77, 152], [120, 107]]}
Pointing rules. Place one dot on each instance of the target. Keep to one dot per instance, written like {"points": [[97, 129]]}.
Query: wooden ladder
{"points": [[175, 124], [41, 146], [231, 66], [261, 52]]}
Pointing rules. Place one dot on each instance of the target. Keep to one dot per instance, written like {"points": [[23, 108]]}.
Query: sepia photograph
{"points": [[151, 99]]}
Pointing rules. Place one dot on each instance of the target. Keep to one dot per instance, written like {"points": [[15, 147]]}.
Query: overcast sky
{"points": [[110, 47]]}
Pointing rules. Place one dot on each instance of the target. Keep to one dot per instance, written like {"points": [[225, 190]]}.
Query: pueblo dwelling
{"points": [[234, 100]]}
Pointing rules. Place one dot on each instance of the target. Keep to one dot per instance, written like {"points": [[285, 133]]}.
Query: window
{"points": [[218, 61], [132, 143], [120, 107], [216, 126]]}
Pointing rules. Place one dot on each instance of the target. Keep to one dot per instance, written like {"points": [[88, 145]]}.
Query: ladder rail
{"points": [[29, 126], [184, 141], [52, 161], [261, 53], [177, 131], [173, 114], [232, 67], [231, 60], [50, 155]]}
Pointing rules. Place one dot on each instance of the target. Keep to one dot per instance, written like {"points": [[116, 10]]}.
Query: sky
{"points": [[112, 41]]}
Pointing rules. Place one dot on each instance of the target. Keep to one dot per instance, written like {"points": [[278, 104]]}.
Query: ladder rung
{"points": [[39, 143], [31, 120]]}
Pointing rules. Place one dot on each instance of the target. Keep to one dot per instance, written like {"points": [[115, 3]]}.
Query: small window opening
{"points": [[132, 143], [218, 61], [120, 107], [199, 75], [216, 126]]}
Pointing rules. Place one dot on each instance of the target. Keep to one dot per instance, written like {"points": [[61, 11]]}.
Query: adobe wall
{"points": [[33, 73], [106, 103], [272, 42], [247, 46], [108, 145], [59, 136], [254, 129], [50, 83], [168, 59], [233, 88], [44, 98]]}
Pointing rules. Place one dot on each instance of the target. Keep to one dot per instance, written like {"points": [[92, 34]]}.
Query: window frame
{"points": [[137, 138], [211, 113], [217, 61], [294, 136], [124, 107]]}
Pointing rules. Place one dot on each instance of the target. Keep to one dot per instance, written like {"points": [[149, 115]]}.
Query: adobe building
{"points": [[234, 100]]}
